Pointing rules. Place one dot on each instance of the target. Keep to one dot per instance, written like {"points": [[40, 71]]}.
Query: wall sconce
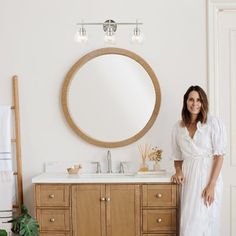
{"points": [[109, 27]]}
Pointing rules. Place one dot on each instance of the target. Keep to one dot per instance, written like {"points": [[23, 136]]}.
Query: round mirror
{"points": [[111, 97]]}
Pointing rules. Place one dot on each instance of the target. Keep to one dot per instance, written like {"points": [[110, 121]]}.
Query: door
{"points": [[123, 210], [88, 210], [222, 87]]}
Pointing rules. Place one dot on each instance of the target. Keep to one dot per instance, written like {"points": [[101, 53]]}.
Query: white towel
{"points": [[6, 165], [6, 190], [4, 217], [6, 199], [5, 138], [5, 129]]}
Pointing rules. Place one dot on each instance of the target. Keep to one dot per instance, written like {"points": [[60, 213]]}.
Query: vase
{"points": [[143, 166], [156, 166]]}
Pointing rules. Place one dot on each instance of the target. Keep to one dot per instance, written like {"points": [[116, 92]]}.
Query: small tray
{"points": [[151, 172]]}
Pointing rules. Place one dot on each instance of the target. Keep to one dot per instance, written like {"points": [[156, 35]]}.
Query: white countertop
{"points": [[102, 178]]}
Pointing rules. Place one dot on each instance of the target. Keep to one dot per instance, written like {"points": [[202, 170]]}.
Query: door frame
{"points": [[213, 81], [213, 8]]}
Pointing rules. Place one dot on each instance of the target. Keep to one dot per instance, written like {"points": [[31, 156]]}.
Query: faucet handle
{"points": [[123, 166], [98, 166]]}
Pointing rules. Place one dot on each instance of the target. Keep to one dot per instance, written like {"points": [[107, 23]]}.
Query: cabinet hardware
{"points": [[159, 195], [52, 220], [108, 199], [51, 195], [159, 220], [103, 199]]}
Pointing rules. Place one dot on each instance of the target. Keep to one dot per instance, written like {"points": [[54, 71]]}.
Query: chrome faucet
{"points": [[109, 164]]}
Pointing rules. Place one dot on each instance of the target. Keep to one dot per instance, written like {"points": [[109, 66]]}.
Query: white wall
{"points": [[36, 43]]}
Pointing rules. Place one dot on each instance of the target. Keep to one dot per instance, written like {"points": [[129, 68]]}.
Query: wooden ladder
{"points": [[17, 142]]}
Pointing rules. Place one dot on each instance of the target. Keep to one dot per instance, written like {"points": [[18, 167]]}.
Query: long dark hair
{"points": [[202, 116]]}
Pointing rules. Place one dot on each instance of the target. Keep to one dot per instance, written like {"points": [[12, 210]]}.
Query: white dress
{"points": [[197, 219]]}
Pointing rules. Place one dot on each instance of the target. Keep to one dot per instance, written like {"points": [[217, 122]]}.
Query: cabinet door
{"points": [[123, 210], [88, 210]]}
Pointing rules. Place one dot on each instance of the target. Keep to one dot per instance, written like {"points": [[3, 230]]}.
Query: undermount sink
{"points": [[105, 175], [149, 174]]}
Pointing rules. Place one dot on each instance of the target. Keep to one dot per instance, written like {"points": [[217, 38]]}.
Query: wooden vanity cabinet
{"points": [[106, 210]]}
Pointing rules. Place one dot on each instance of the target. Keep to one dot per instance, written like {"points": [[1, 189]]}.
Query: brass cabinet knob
{"points": [[103, 199], [52, 220], [51, 195], [159, 220], [159, 195], [108, 199]]}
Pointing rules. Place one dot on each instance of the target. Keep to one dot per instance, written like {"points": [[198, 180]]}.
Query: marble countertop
{"points": [[102, 178]]}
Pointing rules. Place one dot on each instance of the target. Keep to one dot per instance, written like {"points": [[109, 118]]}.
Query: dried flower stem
{"points": [[144, 151]]}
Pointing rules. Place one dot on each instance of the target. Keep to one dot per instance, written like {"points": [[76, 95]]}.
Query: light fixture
{"points": [[81, 36], [109, 27], [137, 36]]}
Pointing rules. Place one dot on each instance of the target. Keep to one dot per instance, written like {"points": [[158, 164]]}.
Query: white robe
{"points": [[197, 153]]}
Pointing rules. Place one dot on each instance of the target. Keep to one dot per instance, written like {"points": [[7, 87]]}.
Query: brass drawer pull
{"points": [[51, 195], [103, 199], [52, 220], [108, 199], [159, 220], [159, 195]]}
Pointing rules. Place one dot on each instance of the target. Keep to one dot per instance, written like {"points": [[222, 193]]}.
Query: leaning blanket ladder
{"points": [[17, 142]]}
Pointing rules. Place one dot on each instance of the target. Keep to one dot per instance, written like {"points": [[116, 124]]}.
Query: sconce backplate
{"points": [[109, 24]]}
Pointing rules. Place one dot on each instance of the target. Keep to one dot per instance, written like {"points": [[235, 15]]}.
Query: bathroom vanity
{"points": [[106, 205]]}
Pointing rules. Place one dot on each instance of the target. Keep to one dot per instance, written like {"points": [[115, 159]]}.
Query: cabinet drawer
{"points": [[158, 234], [159, 195], [53, 219], [52, 195], [53, 234], [159, 220]]}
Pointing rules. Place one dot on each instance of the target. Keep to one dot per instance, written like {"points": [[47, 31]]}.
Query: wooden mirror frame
{"points": [[75, 68]]}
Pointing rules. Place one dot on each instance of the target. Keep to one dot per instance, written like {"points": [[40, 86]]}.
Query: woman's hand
{"points": [[208, 194], [178, 177]]}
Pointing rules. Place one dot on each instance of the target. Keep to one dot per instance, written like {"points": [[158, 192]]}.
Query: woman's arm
{"points": [[178, 177], [208, 192]]}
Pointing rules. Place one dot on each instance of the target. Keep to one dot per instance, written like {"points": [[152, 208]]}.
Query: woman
{"points": [[198, 146]]}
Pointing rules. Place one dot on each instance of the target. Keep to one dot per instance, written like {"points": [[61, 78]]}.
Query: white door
{"points": [[222, 88]]}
